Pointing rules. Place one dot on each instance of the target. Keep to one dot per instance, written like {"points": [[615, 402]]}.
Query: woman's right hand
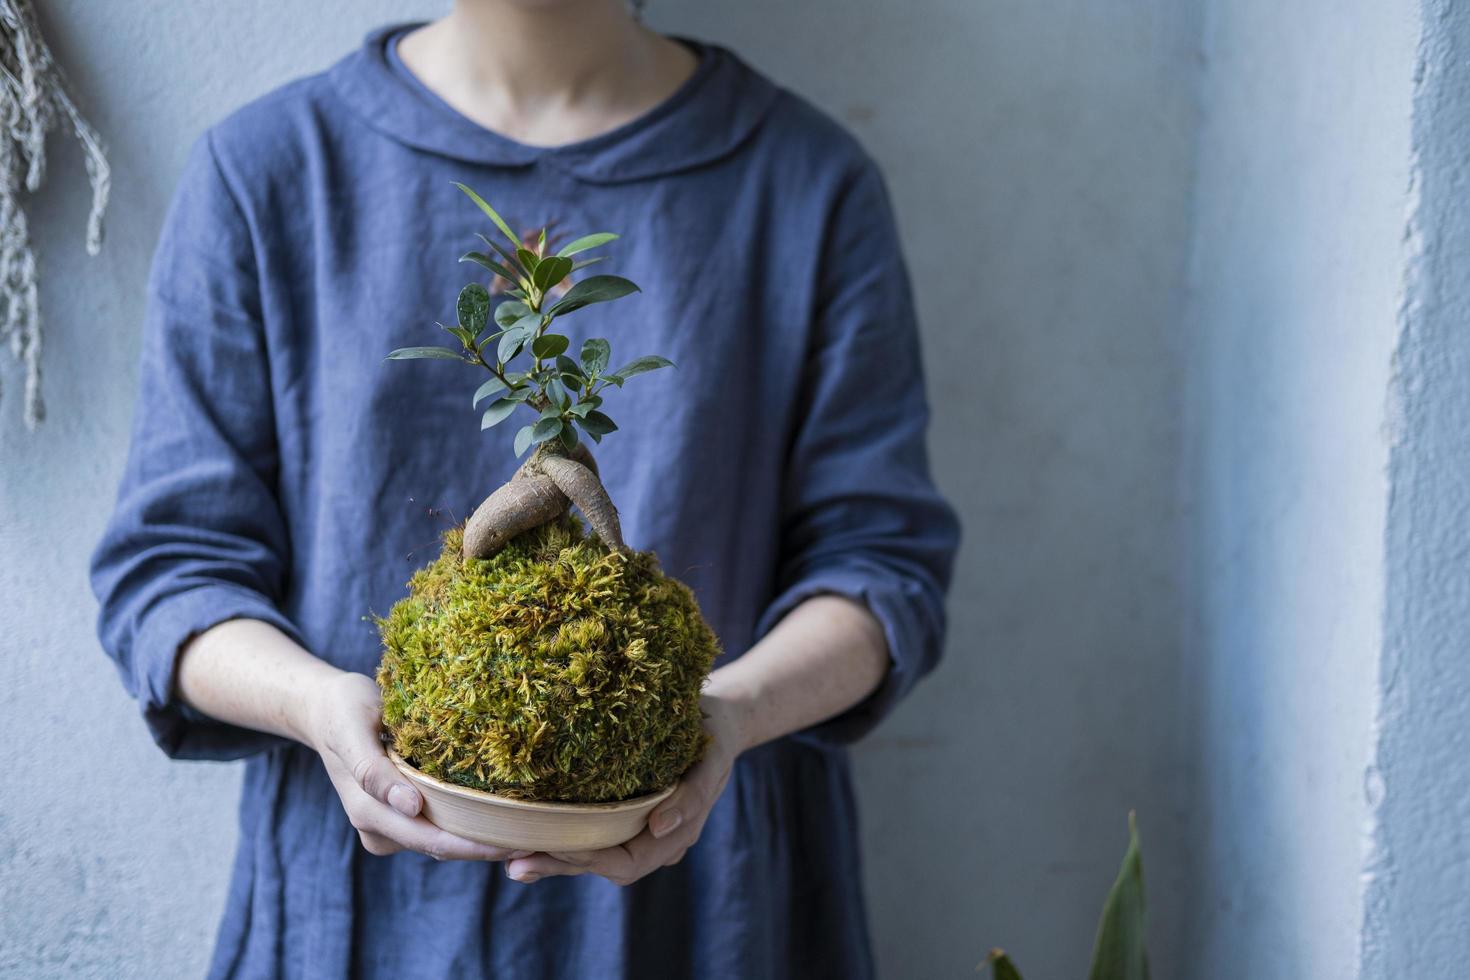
{"points": [[343, 725]]}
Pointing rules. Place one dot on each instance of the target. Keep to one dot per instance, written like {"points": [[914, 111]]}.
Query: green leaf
{"points": [[1120, 952], [641, 366], [545, 429], [481, 258], [549, 345], [1002, 966], [510, 311], [569, 437], [473, 308], [593, 289], [583, 407], [570, 370], [597, 424], [497, 411], [552, 271], [460, 334], [587, 241], [490, 213], [528, 261], [595, 353], [486, 390], [586, 262], [557, 393], [511, 262], [515, 337], [523, 440], [413, 353]]}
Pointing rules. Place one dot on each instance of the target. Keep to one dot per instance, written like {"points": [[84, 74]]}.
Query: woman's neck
{"points": [[546, 75]]}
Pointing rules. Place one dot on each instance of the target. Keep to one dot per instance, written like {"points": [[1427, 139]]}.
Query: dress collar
{"points": [[715, 110]]}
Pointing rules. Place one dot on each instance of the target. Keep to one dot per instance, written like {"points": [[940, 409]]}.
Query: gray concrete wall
{"points": [[1297, 278], [1040, 159]]}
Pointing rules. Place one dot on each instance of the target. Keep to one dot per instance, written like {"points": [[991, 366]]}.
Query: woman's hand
{"points": [[673, 826], [344, 719]]}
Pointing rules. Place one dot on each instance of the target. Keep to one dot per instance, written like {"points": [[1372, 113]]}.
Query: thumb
{"points": [[380, 778], [694, 794]]}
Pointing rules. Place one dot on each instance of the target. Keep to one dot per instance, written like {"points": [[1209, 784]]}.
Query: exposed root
{"points": [[544, 487], [585, 490]]}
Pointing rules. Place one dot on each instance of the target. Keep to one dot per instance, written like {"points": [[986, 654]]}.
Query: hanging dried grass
{"points": [[33, 101]]}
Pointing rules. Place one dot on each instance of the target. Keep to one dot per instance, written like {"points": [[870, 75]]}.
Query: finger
{"points": [[372, 770], [609, 862], [377, 844], [695, 794], [417, 834]]}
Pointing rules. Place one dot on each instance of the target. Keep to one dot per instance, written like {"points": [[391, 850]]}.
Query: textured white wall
{"points": [[1039, 156], [1418, 904], [1303, 194]]}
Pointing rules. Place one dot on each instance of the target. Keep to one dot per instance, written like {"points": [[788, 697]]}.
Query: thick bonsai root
{"points": [[546, 484], [583, 487]]}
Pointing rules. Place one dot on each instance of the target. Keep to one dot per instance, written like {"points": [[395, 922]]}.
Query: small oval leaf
{"points": [[595, 353], [598, 424], [486, 390], [497, 412], [545, 429], [593, 289], [641, 366], [549, 345], [523, 440], [414, 353], [473, 308]]}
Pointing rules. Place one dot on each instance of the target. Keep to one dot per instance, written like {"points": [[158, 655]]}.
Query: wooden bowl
{"points": [[526, 825]]}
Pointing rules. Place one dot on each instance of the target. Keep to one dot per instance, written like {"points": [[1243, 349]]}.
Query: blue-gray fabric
{"points": [[280, 470]]}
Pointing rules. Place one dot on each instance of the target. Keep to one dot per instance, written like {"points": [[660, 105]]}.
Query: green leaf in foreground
{"points": [[545, 429], [593, 289], [595, 353], [641, 366], [473, 308], [497, 412], [490, 213], [586, 242], [416, 353], [523, 440], [487, 389], [1120, 952], [1001, 966]]}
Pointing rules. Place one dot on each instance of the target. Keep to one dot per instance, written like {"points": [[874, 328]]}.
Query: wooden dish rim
{"points": [[479, 795]]}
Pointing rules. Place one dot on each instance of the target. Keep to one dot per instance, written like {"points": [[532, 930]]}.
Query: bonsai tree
{"points": [[534, 659]]}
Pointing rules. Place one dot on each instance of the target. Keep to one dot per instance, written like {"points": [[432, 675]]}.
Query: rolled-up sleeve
{"points": [[862, 517], [197, 535]]}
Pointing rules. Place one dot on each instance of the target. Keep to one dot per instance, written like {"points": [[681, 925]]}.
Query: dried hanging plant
{"points": [[33, 101]]}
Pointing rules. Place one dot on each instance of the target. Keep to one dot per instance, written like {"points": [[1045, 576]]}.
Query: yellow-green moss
{"points": [[557, 670]]}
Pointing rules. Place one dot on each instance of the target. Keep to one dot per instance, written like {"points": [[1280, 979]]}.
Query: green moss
{"points": [[557, 670]]}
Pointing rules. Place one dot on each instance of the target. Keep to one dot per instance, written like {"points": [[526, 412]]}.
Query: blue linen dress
{"points": [[280, 470]]}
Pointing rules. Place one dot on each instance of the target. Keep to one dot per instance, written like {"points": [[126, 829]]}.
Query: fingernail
{"points": [[664, 823], [528, 877], [404, 800]]}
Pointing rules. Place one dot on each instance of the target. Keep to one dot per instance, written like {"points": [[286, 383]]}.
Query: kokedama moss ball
{"points": [[558, 670]]}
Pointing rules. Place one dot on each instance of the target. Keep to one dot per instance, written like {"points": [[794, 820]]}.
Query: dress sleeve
{"points": [[197, 535], [861, 515]]}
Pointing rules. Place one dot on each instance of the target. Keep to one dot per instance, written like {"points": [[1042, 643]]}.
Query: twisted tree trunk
{"points": [[545, 486]]}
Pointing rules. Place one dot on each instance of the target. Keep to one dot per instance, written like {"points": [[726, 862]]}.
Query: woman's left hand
{"points": [[673, 826]]}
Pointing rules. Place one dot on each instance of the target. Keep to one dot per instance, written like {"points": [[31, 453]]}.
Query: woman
{"points": [[283, 484]]}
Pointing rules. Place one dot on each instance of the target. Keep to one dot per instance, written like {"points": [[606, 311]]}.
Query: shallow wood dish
{"points": [[525, 824]]}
